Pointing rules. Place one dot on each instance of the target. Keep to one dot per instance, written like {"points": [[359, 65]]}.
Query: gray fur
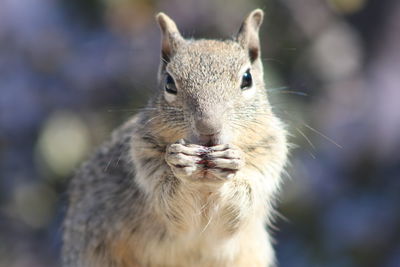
{"points": [[156, 195]]}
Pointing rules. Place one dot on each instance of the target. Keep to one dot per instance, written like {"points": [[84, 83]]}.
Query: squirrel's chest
{"points": [[183, 251], [199, 244], [196, 251]]}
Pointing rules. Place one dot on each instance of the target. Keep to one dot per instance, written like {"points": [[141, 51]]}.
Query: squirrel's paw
{"points": [[199, 163], [224, 161], [184, 160]]}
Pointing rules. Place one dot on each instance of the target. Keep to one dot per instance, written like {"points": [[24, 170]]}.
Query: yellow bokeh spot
{"points": [[347, 6], [63, 142]]}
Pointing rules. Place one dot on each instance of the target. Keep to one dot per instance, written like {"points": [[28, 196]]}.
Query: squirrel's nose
{"points": [[208, 126]]}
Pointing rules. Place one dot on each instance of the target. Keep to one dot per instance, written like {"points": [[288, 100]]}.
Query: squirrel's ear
{"points": [[171, 37], [248, 33]]}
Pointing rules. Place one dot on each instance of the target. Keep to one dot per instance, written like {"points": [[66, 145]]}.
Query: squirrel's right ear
{"points": [[248, 33], [171, 37]]}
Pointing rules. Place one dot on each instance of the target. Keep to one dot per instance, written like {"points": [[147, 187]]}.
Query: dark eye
{"points": [[247, 80], [170, 86]]}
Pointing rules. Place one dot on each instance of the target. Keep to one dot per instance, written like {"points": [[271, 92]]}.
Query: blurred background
{"points": [[71, 71]]}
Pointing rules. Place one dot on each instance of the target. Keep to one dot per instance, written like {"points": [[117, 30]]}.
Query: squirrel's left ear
{"points": [[171, 37], [248, 33]]}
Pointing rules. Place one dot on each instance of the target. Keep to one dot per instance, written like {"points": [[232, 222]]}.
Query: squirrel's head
{"points": [[211, 90]]}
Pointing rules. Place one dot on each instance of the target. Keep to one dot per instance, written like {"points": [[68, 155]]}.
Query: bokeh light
{"points": [[63, 142], [347, 6]]}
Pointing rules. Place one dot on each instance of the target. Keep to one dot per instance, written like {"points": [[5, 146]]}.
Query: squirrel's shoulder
{"points": [[109, 164]]}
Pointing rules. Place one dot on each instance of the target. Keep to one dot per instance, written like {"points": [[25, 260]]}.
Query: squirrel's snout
{"points": [[208, 126], [207, 130]]}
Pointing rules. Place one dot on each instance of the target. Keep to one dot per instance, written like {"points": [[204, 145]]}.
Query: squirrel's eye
{"points": [[170, 85], [247, 80]]}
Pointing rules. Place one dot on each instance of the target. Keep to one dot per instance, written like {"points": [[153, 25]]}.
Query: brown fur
{"points": [[141, 201]]}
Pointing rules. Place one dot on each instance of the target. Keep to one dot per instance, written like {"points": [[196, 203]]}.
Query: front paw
{"points": [[204, 164], [224, 161], [185, 160]]}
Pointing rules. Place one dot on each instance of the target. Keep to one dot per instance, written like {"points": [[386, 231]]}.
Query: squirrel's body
{"points": [[147, 198]]}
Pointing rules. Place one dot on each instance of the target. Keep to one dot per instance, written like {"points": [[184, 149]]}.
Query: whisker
{"points": [[127, 110], [306, 138], [274, 60], [277, 88], [151, 119], [317, 132], [163, 60], [324, 136], [293, 92]]}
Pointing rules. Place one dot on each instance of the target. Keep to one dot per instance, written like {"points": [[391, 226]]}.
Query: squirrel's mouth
{"points": [[209, 140], [206, 140], [210, 144]]}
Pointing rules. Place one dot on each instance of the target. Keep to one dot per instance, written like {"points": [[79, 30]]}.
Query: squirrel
{"points": [[191, 180]]}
